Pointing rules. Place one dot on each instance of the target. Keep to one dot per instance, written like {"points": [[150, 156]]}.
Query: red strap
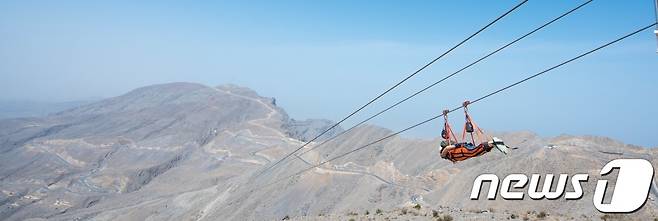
{"points": [[478, 132], [446, 126]]}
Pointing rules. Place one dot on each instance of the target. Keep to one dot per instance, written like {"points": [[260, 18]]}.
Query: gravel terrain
{"points": [[184, 151]]}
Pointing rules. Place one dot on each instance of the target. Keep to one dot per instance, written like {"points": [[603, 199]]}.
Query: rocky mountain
{"points": [[184, 151]]}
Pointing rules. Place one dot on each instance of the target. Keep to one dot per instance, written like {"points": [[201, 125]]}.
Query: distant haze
{"points": [[16, 109], [324, 59]]}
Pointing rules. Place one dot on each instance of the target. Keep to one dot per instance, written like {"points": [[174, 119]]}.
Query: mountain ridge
{"points": [[189, 151]]}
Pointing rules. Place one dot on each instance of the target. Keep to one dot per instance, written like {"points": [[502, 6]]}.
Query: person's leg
{"points": [[499, 144], [487, 146]]}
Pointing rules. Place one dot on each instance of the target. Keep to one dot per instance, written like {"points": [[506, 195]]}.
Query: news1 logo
{"points": [[630, 192]]}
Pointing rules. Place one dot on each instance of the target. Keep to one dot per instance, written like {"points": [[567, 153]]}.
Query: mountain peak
{"points": [[180, 147]]}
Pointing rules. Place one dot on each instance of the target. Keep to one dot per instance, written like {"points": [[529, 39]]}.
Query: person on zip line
{"points": [[456, 151]]}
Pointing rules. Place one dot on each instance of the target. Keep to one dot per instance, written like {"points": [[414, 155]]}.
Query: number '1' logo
{"points": [[631, 189]]}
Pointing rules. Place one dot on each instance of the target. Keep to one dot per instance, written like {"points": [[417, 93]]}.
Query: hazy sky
{"points": [[322, 59]]}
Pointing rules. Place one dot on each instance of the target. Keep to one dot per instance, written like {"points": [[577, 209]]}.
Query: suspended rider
{"points": [[455, 151]]}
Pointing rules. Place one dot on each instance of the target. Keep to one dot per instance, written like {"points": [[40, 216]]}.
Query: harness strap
{"points": [[481, 136], [466, 123], [446, 126]]}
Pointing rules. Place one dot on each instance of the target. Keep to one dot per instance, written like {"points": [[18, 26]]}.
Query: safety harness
{"points": [[447, 133], [460, 151], [470, 127]]}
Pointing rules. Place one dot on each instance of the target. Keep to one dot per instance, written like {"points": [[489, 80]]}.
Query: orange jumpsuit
{"points": [[460, 152]]}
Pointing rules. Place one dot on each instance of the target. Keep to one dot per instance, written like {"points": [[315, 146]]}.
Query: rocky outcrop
{"points": [[185, 151], [306, 130]]}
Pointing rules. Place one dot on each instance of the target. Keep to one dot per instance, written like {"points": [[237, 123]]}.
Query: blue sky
{"points": [[324, 59]]}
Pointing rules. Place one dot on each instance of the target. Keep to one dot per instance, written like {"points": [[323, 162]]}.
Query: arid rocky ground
{"points": [[185, 151]]}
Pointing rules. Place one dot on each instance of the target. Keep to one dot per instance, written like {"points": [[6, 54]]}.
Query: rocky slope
{"points": [[185, 151]]}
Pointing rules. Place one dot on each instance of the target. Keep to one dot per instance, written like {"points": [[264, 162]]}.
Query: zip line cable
{"points": [[474, 101], [448, 76], [396, 85], [655, 5]]}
